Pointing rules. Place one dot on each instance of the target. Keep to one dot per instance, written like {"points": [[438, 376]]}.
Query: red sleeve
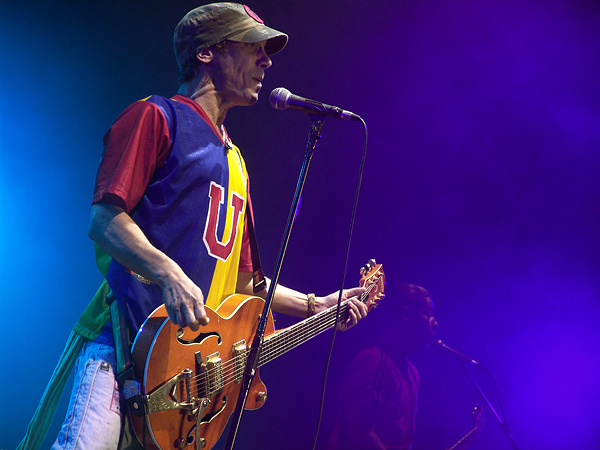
{"points": [[245, 252], [134, 147]]}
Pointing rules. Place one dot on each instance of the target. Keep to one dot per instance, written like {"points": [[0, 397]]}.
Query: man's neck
{"points": [[205, 95]]}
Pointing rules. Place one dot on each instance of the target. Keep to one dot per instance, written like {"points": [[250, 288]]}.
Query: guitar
{"points": [[190, 380], [478, 423]]}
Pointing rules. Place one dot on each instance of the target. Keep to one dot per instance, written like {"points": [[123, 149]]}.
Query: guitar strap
{"points": [[258, 276], [129, 386]]}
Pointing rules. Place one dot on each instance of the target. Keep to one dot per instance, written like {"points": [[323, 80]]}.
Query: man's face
{"points": [[239, 71]]}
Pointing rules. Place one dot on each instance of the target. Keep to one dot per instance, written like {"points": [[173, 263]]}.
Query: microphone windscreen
{"points": [[279, 98]]}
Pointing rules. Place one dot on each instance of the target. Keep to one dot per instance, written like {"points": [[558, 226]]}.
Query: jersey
{"points": [[193, 207]]}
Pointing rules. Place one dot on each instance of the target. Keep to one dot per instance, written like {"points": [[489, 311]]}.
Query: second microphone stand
{"points": [[503, 424]]}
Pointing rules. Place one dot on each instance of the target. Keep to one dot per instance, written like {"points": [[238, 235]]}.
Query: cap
{"points": [[206, 25]]}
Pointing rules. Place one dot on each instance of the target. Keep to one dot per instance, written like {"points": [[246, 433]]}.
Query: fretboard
{"points": [[279, 343], [285, 340]]}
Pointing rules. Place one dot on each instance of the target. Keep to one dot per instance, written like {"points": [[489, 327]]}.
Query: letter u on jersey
{"points": [[217, 248]]}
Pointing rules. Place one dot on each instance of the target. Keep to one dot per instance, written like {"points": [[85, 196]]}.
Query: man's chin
{"points": [[250, 100]]}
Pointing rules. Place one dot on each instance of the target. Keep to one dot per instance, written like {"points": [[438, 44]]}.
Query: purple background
{"points": [[481, 184]]}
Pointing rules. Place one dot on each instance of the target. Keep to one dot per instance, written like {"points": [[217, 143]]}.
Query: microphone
{"points": [[457, 355], [281, 98]]}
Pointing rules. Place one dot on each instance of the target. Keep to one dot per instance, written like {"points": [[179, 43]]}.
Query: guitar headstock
{"points": [[373, 279]]}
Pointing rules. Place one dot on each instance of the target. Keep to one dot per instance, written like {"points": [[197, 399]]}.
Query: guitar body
{"points": [[162, 351]]}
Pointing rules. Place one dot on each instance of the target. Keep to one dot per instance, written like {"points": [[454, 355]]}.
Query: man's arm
{"points": [[116, 232], [294, 303]]}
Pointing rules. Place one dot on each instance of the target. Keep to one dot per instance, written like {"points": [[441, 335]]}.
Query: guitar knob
{"points": [[368, 267], [261, 397]]}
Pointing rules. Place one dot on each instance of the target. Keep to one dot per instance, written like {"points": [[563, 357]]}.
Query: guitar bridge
{"points": [[166, 397]]}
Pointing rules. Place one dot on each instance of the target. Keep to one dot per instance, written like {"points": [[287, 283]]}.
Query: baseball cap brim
{"points": [[276, 40]]}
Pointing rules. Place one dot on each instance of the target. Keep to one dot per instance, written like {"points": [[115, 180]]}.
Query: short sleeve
{"points": [[135, 146]]}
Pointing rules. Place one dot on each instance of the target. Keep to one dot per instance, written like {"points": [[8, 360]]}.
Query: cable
{"points": [[350, 230]]}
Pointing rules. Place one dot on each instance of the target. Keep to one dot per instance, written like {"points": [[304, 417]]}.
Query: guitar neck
{"points": [[289, 338]]}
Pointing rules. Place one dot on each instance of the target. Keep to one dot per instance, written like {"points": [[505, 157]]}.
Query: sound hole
{"points": [[199, 338], [210, 416]]}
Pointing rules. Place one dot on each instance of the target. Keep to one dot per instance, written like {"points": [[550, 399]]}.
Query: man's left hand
{"points": [[356, 309]]}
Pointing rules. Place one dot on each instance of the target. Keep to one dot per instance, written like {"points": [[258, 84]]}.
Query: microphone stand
{"points": [[252, 362], [503, 424]]}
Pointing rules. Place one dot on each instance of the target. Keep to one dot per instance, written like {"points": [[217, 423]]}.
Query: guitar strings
{"points": [[275, 345], [287, 342]]}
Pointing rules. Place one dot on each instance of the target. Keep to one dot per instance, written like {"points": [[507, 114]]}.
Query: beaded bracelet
{"points": [[310, 303]]}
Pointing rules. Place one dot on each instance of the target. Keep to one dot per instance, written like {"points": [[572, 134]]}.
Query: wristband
{"points": [[310, 305]]}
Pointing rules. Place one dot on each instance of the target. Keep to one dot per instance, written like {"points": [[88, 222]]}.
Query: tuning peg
{"points": [[368, 267]]}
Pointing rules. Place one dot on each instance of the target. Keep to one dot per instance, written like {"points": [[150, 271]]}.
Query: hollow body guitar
{"points": [[190, 380]]}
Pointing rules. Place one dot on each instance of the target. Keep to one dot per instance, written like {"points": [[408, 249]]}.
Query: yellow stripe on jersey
{"points": [[226, 272]]}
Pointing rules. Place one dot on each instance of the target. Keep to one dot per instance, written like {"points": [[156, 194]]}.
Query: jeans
{"points": [[93, 420]]}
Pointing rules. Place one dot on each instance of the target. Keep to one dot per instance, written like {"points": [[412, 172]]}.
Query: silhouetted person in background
{"points": [[377, 398]]}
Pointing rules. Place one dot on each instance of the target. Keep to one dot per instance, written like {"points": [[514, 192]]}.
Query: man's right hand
{"points": [[116, 232], [184, 302]]}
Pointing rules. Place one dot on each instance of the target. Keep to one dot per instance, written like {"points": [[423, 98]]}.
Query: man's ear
{"points": [[205, 55]]}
